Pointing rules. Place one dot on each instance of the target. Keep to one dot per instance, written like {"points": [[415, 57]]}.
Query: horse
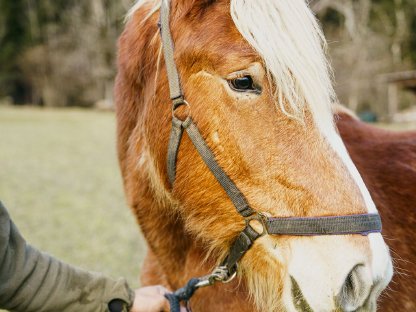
{"points": [[387, 161], [258, 87]]}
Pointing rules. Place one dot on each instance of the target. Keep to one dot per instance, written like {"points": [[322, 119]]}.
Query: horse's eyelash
{"points": [[239, 75]]}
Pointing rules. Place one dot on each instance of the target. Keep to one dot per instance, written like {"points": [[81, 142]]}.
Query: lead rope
{"points": [[338, 225], [182, 295]]}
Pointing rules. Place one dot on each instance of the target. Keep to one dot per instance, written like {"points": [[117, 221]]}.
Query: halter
{"points": [[363, 224]]}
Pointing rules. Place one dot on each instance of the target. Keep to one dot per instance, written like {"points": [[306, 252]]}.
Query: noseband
{"points": [[363, 224]]}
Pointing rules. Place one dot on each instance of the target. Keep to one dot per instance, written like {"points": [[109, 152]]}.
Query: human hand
{"points": [[151, 299]]}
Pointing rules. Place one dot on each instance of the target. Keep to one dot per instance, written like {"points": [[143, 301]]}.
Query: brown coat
{"points": [[387, 162]]}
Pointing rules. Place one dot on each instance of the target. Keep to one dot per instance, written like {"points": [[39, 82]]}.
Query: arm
{"points": [[33, 281]]}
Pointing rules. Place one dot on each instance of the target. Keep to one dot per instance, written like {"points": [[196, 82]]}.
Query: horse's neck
{"points": [[169, 245], [174, 258]]}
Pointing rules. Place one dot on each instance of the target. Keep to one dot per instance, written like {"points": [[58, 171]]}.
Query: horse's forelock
{"points": [[293, 52], [289, 39]]}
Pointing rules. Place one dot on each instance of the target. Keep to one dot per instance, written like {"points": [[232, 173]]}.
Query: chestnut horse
{"points": [[387, 161], [260, 90]]}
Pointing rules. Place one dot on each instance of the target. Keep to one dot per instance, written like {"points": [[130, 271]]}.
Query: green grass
{"points": [[59, 179]]}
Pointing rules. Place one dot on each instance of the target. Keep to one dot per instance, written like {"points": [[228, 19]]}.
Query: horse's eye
{"points": [[243, 84]]}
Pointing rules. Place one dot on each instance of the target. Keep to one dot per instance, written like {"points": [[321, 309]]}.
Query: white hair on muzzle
{"points": [[291, 43]]}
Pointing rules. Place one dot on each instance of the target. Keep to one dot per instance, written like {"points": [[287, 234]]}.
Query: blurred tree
{"points": [[13, 41], [60, 52], [412, 41], [367, 38]]}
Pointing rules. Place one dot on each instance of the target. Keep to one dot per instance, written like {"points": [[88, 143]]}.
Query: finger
{"points": [[162, 290], [166, 306]]}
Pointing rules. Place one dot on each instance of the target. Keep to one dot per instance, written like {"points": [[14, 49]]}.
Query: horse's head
{"points": [[260, 92]]}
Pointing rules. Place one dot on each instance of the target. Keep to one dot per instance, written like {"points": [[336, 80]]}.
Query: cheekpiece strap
{"points": [[176, 93], [233, 192], [173, 148]]}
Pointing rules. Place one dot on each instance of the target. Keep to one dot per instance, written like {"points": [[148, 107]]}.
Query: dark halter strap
{"points": [[206, 154], [334, 225]]}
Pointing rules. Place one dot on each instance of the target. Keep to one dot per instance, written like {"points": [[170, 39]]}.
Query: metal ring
{"points": [[233, 276], [262, 218], [176, 106]]}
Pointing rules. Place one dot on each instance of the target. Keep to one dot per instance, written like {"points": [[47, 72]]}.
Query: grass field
{"points": [[60, 180]]}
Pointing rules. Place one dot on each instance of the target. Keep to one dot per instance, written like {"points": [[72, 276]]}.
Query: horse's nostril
{"points": [[356, 289]]}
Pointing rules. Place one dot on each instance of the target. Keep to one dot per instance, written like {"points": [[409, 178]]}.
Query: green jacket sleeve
{"points": [[32, 281]]}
